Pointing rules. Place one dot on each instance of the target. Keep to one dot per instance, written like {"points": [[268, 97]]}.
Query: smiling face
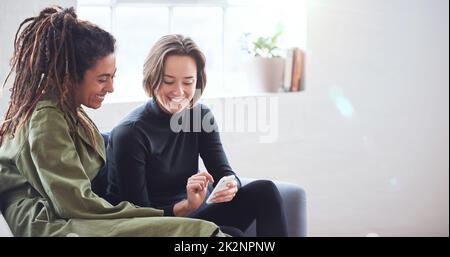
{"points": [[97, 82], [178, 86]]}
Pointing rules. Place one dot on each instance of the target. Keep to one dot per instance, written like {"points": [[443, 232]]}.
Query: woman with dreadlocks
{"points": [[49, 148]]}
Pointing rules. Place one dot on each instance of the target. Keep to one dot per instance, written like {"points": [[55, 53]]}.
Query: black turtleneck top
{"points": [[151, 154]]}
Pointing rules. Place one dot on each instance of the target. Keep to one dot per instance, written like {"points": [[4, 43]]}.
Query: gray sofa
{"points": [[294, 200], [293, 196]]}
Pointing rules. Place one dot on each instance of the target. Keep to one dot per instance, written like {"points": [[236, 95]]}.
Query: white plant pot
{"points": [[266, 74]]}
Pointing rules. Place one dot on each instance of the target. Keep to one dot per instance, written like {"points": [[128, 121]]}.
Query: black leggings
{"points": [[258, 200]]}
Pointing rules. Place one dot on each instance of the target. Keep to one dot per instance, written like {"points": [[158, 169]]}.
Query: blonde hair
{"points": [[167, 46]]}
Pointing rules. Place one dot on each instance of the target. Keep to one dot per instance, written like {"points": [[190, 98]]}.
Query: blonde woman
{"points": [[153, 162]]}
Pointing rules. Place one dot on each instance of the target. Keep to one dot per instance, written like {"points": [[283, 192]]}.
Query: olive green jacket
{"points": [[45, 186]]}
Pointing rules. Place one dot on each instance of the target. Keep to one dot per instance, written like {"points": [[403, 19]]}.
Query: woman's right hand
{"points": [[196, 189]]}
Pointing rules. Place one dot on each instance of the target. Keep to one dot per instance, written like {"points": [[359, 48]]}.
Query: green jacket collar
{"points": [[51, 101]]}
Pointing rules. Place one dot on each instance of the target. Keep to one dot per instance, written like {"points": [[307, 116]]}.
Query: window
{"points": [[217, 26]]}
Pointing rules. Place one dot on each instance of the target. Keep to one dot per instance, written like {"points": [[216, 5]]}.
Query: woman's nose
{"points": [[110, 87], [178, 90]]}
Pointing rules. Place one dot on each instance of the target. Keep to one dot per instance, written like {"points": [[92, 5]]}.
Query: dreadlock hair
{"points": [[52, 54]]}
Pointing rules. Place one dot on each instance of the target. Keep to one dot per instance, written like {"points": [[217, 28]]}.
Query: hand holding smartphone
{"points": [[222, 184]]}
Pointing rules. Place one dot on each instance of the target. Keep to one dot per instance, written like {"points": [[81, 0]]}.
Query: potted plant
{"points": [[266, 66]]}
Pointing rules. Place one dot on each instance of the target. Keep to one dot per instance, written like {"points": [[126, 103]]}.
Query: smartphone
{"points": [[220, 186]]}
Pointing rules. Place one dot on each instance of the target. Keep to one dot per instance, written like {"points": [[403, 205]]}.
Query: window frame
{"points": [[225, 5]]}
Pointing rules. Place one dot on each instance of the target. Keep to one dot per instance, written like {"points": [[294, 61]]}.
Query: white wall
{"points": [[368, 138], [385, 169], [12, 13]]}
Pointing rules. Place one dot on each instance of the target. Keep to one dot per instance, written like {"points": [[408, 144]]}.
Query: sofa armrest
{"points": [[294, 201]]}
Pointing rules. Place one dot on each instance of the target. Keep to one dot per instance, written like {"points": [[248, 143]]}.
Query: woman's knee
{"points": [[268, 185], [261, 189], [263, 186]]}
